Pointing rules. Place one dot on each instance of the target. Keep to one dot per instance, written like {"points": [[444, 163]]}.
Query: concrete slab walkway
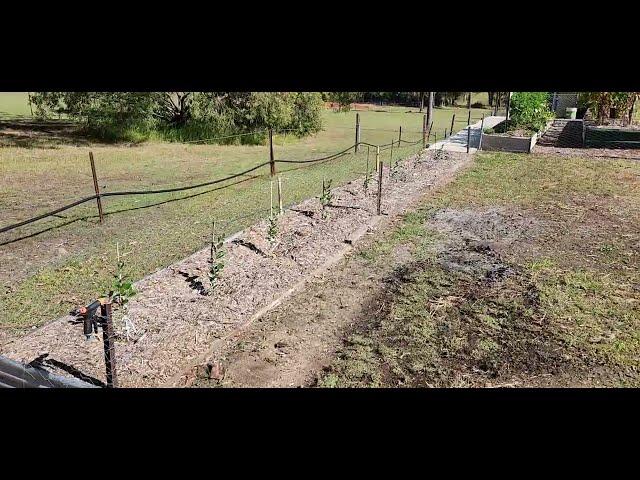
{"points": [[458, 141]]}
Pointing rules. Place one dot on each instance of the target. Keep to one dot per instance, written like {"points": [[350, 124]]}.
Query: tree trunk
{"points": [[421, 101]]}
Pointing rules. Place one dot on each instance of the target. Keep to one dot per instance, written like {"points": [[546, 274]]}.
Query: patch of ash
{"points": [[476, 238]]}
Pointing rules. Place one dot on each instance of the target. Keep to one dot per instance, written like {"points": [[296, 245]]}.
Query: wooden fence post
{"points": [[430, 109], [377, 158], [399, 136], [453, 119], [391, 156], [379, 181], [481, 133], [271, 159], [357, 147], [424, 131], [469, 128], [96, 187]]}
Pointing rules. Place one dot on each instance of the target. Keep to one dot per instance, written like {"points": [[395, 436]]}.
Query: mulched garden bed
{"points": [[170, 322]]}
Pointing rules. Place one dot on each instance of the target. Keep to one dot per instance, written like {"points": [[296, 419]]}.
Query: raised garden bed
{"points": [[611, 136], [503, 139]]}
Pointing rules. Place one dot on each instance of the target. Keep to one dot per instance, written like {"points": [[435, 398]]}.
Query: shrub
{"points": [[477, 105], [530, 110]]}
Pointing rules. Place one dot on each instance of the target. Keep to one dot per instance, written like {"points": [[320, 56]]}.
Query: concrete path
{"points": [[458, 141]]}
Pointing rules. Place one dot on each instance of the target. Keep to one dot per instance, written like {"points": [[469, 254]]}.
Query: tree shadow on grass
{"points": [[28, 132]]}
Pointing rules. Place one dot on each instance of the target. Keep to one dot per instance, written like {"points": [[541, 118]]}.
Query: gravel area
{"points": [[170, 323]]}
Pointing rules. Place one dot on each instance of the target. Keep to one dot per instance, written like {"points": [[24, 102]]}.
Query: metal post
{"points": [[109, 348], [453, 119], [391, 156], [272, 162], [508, 105], [468, 137], [399, 136], [377, 158], [481, 133], [379, 182], [469, 101], [357, 147], [95, 186]]}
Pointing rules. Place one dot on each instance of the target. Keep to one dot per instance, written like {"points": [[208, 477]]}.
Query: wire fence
{"points": [[98, 196]]}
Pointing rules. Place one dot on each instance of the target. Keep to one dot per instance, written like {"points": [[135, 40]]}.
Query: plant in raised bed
{"points": [[272, 229], [326, 197], [122, 287], [367, 179], [216, 257]]}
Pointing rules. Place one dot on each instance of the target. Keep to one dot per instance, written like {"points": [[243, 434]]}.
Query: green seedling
{"points": [[272, 229], [326, 197], [216, 257], [122, 287]]}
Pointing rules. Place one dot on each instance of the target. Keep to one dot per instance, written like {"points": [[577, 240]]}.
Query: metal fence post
{"points": [[357, 147], [377, 158], [481, 133], [109, 348], [96, 187], [399, 136]]}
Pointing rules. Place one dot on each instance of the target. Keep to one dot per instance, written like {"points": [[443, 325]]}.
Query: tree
{"points": [[199, 114], [605, 105]]}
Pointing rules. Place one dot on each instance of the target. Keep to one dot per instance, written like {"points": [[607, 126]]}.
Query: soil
{"points": [[173, 328]]}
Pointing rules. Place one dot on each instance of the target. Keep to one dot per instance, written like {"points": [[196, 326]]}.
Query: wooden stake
{"points": [[357, 147], [95, 186], [271, 198], [379, 209], [453, 119], [280, 194]]}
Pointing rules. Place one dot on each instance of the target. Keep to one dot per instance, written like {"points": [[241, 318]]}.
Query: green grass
{"points": [[14, 104], [572, 309], [45, 275]]}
